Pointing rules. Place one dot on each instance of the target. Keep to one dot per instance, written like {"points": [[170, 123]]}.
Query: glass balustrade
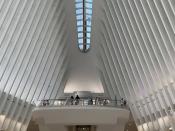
{"points": [[82, 102]]}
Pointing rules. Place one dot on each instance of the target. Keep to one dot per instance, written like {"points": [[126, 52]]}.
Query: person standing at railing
{"points": [[47, 102], [77, 98], [72, 100], [44, 103], [96, 101], [116, 100], [90, 102], [105, 102], [123, 102]]}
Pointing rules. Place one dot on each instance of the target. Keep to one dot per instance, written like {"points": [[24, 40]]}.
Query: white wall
{"points": [[82, 79], [43, 127], [105, 118], [110, 128], [64, 128], [82, 67]]}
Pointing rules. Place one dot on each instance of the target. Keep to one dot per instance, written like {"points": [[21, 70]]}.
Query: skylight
{"points": [[83, 17]]}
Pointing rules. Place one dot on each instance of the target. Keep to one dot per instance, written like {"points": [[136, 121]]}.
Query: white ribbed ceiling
{"points": [[136, 42], [33, 45], [33, 57], [133, 42]]}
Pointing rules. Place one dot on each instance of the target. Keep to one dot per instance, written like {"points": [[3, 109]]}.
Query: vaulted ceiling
{"points": [[132, 53]]}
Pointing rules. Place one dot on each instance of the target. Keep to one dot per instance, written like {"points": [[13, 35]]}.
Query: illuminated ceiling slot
{"points": [[83, 17]]}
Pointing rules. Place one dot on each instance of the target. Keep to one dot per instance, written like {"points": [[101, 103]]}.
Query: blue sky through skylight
{"points": [[79, 17]]}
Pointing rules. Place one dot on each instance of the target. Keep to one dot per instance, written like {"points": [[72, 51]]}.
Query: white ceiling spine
{"points": [[136, 54]]}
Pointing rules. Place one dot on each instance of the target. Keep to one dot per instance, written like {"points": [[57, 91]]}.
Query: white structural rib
{"points": [[136, 57], [33, 55]]}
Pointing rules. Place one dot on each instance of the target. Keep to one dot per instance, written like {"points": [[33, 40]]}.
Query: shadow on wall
{"points": [[33, 126]]}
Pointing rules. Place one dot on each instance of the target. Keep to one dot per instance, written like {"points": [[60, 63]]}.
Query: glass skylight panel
{"points": [[79, 11], [80, 35], [89, 5], [88, 46], [78, 1], [88, 41], [89, 29], [80, 41], [80, 46], [79, 17], [89, 11], [84, 22], [80, 28], [88, 35], [79, 5], [79, 23], [88, 17], [88, 23]]}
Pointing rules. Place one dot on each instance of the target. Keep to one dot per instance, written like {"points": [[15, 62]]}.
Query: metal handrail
{"points": [[82, 102]]}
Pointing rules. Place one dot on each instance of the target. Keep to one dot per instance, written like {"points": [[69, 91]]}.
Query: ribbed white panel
{"points": [[137, 50], [33, 55]]}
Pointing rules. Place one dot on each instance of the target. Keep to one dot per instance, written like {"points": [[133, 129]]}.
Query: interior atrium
{"points": [[87, 65]]}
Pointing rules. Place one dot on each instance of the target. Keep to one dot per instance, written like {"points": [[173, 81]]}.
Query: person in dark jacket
{"points": [[90, 102], [77, 98], [72, 100]]}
